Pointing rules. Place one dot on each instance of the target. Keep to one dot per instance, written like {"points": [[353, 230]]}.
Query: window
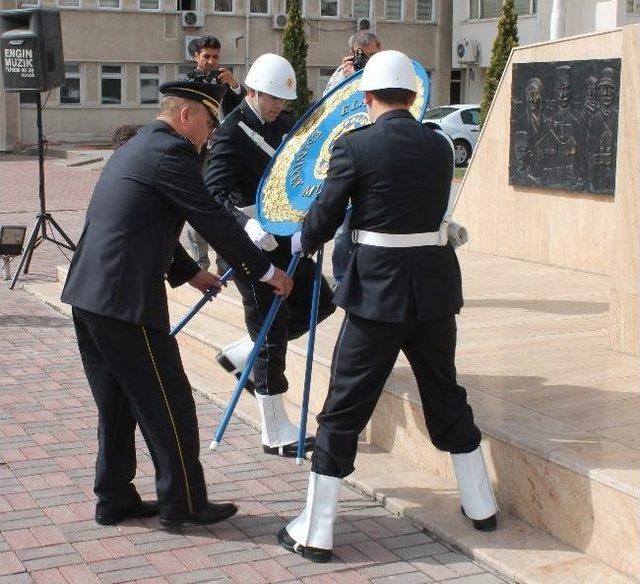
{"points": [[111, 84], [525, 7], [361, 9], [149, 4], [28, 4], [68, 3], [325, 75], [259, 6], [328, 7], [424, 10], [183, 70], [470, 117], [70, 92], [484, 8], [633, 6], [108, 3], [149, 83], [223, 6], [393, 10], [182, 5], [438, 112], [493, 8], [490, 8]]}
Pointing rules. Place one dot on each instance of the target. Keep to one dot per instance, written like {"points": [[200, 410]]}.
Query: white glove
{"points": [[457, 234], [259, 236], [296, 244]]}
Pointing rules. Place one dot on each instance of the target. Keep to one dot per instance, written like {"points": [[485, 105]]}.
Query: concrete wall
{"points": [[593, 233], [131, 37], [624, 329], [558, 228]]}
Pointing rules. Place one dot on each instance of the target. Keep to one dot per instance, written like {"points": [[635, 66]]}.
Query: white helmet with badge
{"points": [[274, 75], [388, 70]]}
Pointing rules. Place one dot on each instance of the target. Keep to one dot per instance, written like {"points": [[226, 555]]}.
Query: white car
{"points": [[462, 125]]}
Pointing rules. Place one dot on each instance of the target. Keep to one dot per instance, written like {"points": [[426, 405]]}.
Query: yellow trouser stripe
{"points": [[173, 423]]}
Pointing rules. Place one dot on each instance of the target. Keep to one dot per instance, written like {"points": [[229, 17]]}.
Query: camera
{"points": [[202, 76], [359, 60]]}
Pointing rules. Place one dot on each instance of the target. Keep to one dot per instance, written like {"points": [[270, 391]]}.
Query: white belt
{"points": [[396, 239], [257, 139]]}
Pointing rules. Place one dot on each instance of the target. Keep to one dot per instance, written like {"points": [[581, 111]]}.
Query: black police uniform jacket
{"points": [[147, 190], [236, 163], [397, 174]]}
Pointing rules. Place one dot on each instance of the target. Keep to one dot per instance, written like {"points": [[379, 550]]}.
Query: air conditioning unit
{"points": [[192, 19], [467, 51], [190, 47], [366, 24], [280, 20]]}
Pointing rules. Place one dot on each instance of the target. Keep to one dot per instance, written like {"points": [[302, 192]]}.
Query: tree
{"points": [[506, 39], [295, 51]]}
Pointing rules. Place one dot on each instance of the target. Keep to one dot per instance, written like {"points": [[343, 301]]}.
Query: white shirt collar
{"points": [[255, 111]]}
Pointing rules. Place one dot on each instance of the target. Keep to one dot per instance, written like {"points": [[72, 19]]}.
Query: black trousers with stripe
{"points": [[136, 376], [363, 358], [291, 322]]}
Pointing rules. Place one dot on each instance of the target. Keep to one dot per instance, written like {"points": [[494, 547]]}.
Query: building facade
{"points": [[117, 53], [475, 26]]}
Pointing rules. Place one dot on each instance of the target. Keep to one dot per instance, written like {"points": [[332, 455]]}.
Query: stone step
{"points": [[547, 490]]}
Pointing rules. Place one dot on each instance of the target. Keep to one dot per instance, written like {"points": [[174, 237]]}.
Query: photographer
{"points": [[362, 46], [207, 58]]}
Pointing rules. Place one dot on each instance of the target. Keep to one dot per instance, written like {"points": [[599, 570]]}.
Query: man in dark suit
{"points": [[208, 70], [241, 150], [401, 292], [116, 285]]}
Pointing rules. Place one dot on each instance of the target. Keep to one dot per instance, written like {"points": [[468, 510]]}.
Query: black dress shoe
{"points": [[310, 553], [138, 510], [227, 365], [212, 513], [289, 450], [488, 524]]}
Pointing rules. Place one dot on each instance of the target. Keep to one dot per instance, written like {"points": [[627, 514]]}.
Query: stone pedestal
{"points": [[625, 249]]}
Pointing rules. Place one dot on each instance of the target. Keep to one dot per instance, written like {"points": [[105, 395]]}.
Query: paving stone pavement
{"points": [[47, 453]]}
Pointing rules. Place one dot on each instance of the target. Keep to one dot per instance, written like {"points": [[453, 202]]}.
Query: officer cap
{"points": [[207, 94]]}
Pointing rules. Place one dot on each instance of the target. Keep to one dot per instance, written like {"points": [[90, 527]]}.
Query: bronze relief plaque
{"points": [[564, 125]]}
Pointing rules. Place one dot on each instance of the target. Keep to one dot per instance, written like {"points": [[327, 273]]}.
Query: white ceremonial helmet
{"points": [[388, 70], [274, 75]]}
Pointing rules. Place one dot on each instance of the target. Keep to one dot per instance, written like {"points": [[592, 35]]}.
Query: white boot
{"points": [[234, 356], [476, 494], [277, 430], [313, 528]]}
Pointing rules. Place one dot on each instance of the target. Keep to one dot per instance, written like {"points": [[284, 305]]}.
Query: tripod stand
{"points": [[43, 218]]}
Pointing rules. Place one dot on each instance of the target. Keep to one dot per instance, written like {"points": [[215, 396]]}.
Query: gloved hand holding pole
{"points": [[210, 294]]}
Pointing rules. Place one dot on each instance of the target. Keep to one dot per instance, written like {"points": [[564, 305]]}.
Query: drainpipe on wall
{"points": [[246, 36], [557, 20]]}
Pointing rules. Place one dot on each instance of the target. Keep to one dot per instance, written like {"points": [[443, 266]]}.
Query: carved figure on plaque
{"points": [[561, 142], [602, 133], [564, 125]]}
